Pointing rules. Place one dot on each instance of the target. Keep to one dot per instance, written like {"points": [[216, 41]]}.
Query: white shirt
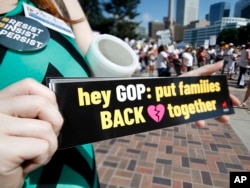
{"points": [[211, 52], [188, 59], [243, 58], [161, 62], [227, 54]]}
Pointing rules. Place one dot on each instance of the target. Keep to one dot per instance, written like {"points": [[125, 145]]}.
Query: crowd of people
{"points": [[163, 59]]}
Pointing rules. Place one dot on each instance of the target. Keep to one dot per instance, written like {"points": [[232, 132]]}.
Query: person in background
{"points": [[142, 59], [176, 63], [212, 54], [231, 65], [201, 56], [237, 54], [176, 51], [151, 61], [243, 64], [219, 53], [188, 59], [162, 62], [227, 55]]}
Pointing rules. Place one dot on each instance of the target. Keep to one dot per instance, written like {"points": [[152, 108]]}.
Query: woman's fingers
{"points": [[205, 70], [29, 124], [22, 128], [28, 87], [32, 106], [25, 145]]}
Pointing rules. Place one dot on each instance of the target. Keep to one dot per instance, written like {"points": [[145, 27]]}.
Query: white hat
{"points": [[231, 44]]}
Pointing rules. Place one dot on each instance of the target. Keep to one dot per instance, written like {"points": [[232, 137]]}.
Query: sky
{"points": [[155, 10]]}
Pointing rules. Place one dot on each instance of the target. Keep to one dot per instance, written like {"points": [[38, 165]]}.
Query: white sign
{"points": [[165, 36], [206, 44], [47, 20], [213, 39]]}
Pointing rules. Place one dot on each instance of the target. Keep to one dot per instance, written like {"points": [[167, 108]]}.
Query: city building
{"points": [[197, 36], [187, 11], [218, 11], [169, 21], [153, 27], [141, 31], [187, 28], [242, 9], [197, 24]]}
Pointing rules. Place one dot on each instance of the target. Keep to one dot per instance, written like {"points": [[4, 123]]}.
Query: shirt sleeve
{"points": [[164, 54]]}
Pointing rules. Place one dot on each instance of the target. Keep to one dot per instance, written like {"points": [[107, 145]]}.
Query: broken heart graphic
{"points": [[156, 112]]}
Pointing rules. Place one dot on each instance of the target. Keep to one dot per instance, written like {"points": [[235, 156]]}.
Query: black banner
{"points": [[104, 108]]}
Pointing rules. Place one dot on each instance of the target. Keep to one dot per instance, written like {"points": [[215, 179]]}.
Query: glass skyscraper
{"points": [[186, 11], [242, 9], [218, 11]]}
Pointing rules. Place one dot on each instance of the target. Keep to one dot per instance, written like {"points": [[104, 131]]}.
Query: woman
{"points": [[201, 56], [177, 64], [162, 62], [151, 61], [188, 59], [243, 64], [61, 57]]}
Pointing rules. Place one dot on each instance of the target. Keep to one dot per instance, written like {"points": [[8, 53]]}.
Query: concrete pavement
{"points": [[240, 124], [240, 121], [182, 156]]}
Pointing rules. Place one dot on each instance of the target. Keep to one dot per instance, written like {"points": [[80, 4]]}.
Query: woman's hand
{"points": [[206, 71], [29, 125]]}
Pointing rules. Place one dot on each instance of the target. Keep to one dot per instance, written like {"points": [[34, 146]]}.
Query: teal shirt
{"points": [[73, 167]]}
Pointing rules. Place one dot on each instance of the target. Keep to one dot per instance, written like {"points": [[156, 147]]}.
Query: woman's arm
{"points": [[82, 30]]}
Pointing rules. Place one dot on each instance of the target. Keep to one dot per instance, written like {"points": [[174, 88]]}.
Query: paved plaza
{"points": [[182, 156]]}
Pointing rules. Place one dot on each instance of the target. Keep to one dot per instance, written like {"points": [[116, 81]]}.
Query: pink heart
{"points": [[156, 112]]}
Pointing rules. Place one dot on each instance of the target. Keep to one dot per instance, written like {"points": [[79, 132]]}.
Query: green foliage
{"points": [[237, 36], [93, 11], [122, 9], [114, 17]]}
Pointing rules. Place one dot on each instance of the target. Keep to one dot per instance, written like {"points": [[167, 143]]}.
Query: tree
{"points": [[118, 19], [121, 14], [93, 11], [229, 35], [244, 34], [238, 36]]}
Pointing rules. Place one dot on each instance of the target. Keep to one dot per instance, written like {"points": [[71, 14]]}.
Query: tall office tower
{"points": [[170, 19], [186, 11], [218, 11], [242, 9], [171, 9]]}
